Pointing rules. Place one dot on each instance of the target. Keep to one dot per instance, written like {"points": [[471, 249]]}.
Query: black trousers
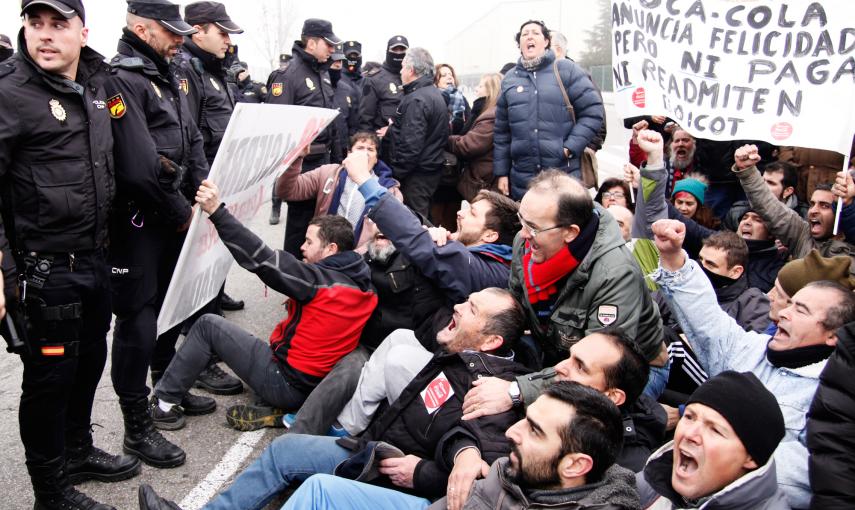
{"points": [[67, 357], [418, 190], [301, 213], [148, 255]]}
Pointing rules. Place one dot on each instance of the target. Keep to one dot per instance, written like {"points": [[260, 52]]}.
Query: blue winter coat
{"points": [[533, 126]]}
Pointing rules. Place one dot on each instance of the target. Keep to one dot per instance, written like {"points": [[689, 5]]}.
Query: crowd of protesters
{"points": [[683, 339]]}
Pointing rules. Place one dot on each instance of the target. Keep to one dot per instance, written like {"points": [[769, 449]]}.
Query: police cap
{"points": [[166, 13], [338, 53], [199, 13], [67, 8], [314, 27], [352, 47], [398, 40]]}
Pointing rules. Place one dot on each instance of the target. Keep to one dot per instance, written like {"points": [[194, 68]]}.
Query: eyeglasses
{"points": [[535, 231], [613, 194]]}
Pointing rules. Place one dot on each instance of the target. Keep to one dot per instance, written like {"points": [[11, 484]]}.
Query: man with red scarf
{"points": [[573, 275]]}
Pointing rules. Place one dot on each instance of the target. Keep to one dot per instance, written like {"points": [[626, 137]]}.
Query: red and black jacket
{"points": [[330, 301]]}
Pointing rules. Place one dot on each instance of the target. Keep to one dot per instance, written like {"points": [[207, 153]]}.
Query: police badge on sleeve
{"points": [[116, 106], [276, 89]]}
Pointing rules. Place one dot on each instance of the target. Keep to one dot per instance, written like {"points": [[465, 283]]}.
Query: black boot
{"points": [[144, 441], [54, 492], [192, 405], [87, 462], [149, 500], [275, 210], [230, 304], [218, 382]]}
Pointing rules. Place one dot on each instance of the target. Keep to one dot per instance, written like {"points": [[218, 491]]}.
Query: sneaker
{"points": [[230, 304], [167, 420], [197, 405], [247, 417], [337, 431], [288, 420], [215, 380]]}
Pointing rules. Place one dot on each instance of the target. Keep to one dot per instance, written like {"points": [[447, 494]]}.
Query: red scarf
{"points": [[541, 279]]}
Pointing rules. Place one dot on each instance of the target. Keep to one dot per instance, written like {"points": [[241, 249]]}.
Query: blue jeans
{"points": [[290, 458], [329, 492], [657, 381]]}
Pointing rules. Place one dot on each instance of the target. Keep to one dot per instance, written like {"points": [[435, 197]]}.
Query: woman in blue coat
{"points": [[534, 129]]}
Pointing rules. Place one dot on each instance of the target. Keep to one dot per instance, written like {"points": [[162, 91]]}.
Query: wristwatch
{"points": [[514, 393]]}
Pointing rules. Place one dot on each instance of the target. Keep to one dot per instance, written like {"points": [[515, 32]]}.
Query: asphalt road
{"points": [[214, 451]]}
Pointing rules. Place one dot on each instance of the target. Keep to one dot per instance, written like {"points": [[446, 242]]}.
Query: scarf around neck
{"points": [[798, 357], [541, 279]]}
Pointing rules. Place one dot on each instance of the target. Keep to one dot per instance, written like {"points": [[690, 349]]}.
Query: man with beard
{"points": [[682, 154], [306, 82], [782, 179], [435, 274], [800, 236], [422, 423], [562, 456], [382, 89], [788, 363], [160, 160]]}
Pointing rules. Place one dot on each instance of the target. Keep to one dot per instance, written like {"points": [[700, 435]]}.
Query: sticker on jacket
{"points": [[437, 393], [607, 314]]}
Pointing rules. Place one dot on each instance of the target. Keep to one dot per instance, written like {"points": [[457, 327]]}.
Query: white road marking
{"points": [[223, 471]]}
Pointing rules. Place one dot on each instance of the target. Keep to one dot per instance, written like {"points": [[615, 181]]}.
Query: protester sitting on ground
{"points": [[447, 271], [722, 453], [800, 272], [788, 363], [562, 457], [723, 259], [427, 429], [798, 235], [606, 360], [688, 199], [831, 429], [573, 274], [764, 257], [331, 298], [332, 191], [782, 179], [614, 191]]}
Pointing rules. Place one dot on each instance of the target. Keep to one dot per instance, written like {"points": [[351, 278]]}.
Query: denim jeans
{"points": [[657, 380], [329, 492], [290, 458]]}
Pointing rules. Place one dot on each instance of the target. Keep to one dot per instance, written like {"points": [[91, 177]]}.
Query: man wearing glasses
{"points": [[573, 275]]}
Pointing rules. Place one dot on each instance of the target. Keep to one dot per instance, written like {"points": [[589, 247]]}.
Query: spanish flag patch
{"points": [[116, 106], [276, 89], [53, 350]]}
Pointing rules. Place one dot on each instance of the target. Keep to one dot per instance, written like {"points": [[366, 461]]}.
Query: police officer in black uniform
{"points": [[345, 101], [56, 182], [248, 91], [306, 82], [382, 90], [160, 162], [352, 74], [203, 77]]}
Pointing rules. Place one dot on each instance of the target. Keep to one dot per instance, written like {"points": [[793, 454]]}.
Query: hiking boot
{"points": [[230, 304], [54, 492], [246, 417], [87, 462], [144, 441], [167, 420], [215, 380]]}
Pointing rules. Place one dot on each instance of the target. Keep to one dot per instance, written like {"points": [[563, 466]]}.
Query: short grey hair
{"points": [[420, 61], [559, 40]]}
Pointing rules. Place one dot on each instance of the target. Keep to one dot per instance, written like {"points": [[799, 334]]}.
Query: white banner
{"points": [[259, 140], [772, 70]]}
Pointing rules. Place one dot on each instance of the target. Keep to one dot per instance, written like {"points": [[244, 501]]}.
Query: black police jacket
{"points": [[249, 91], [305, 82], [355, 83], [151, 119], [56, 163], [202, 78], [419, 133], [347, 121], [381, 93]]}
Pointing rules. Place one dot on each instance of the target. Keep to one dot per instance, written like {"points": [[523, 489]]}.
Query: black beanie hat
{"points": [[749, 407]]}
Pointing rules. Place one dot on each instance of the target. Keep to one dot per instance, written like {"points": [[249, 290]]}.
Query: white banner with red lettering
{"points": [[772, 70], [260, 141]]}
